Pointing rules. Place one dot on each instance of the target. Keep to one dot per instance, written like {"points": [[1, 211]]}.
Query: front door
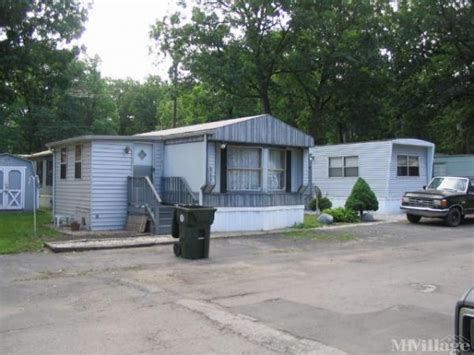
{"points": [[143, 160], [12, 188]]}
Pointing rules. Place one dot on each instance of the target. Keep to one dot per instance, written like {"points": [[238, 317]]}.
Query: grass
{"points": [[317, 235], [16, 231], [310, 221]]}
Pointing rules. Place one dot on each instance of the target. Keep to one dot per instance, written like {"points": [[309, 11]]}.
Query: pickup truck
{"points": [[447, 197]]}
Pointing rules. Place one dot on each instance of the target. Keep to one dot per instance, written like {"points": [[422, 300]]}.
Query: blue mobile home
{"points": [[254, 170]]}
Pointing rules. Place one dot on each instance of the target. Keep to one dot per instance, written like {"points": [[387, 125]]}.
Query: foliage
{"points": [[16, 231], [343, 215], [362, 198], [310, 221], [323, 203], [341, 71]]}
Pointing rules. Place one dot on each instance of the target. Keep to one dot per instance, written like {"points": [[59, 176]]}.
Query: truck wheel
{"points": [[454, 217], [413, 219], [177, 249]]}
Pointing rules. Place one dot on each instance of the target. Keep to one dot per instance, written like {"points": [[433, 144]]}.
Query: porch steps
{"points": [[165, 217]]}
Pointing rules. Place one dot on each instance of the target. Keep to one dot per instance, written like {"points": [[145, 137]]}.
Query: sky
{"points": [[118, 32]]}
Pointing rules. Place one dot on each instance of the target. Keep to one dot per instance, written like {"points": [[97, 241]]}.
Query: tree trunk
{"points": [[315, 119]]}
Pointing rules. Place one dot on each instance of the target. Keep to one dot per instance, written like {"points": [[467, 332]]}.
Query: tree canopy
{"points": [[340, 70]]}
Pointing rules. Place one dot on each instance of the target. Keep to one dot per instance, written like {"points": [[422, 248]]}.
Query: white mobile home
{"points": [[253, 169], [390, 167]]}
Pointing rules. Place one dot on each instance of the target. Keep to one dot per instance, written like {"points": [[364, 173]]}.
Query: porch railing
{"points": [[142, 194], [176, 190]]}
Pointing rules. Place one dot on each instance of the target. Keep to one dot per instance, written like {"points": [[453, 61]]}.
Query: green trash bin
{"points": [[194, 225]]}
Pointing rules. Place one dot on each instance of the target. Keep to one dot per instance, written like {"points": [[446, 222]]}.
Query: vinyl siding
{"points": [[263, 129], [186, 160], [373, 167], [73, 196], [111, 167], [457, 165], [398, 185], [211, 162]]}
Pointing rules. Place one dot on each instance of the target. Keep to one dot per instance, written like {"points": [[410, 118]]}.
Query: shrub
{"points": [[324, 203], [362, 198], [343, 215]]}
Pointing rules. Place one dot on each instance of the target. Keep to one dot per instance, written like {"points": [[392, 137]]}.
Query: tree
{"points": [[171, 41], [362, 198], [35, 52]]}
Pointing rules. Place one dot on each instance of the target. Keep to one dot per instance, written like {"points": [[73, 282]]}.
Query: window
{"points": [[39, 171], [408, 165], [244, 169], [49, 172], [276, 170], [63, 163], [78, 162], [344, 166]]}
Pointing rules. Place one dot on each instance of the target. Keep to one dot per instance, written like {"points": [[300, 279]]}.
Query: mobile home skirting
{"points": [[231, 219]]}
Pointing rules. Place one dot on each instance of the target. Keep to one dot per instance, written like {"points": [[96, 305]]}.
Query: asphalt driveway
{"points": [[266, 294]]}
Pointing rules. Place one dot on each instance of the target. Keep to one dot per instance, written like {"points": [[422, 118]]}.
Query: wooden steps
{"points": [[165, 217]]}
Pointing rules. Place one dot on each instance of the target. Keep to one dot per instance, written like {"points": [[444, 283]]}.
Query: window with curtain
{"points": [[78, 162], [344, 166], [408, 165], [63, 172], [244, 169], [276, 170]]}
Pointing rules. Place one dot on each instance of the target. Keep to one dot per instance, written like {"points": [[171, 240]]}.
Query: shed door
{"points": [[143, 160], [13, 190]]}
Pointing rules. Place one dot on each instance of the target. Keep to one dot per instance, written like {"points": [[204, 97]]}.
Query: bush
{"points": [[343, 215], [324, 203], [362, 198]]}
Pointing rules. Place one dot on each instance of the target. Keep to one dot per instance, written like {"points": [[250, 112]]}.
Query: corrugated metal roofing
{"points": [[198, 127]]}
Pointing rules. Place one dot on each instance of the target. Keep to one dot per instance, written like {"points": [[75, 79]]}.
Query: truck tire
{"points": [[413, 218], [454, 217]]}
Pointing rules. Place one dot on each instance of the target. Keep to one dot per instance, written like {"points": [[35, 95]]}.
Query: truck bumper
{"points": [[425, 211]]}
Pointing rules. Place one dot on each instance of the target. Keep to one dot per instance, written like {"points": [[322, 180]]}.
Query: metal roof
{"points": [[203, 127]]}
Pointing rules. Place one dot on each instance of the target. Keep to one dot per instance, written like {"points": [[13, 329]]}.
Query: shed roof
{"points": [[16, 157], [42, 154]]}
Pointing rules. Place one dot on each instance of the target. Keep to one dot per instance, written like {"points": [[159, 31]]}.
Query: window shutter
{"points": [[224, 170], [288, 171]]}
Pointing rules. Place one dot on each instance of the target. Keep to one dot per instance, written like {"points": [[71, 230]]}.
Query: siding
{"points": [[73, 196], [159, 164], [110, 168], [186, 160], [457, 165], [398, 185], [263, 129], [373, 167], [211, 163]]}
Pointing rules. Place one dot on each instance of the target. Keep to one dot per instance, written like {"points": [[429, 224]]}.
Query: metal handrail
{"points": [[142, 194], [152, 188], [176, 190]]}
